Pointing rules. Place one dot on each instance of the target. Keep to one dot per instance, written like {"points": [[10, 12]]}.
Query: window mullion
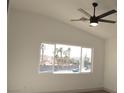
{"points": [[82, 65], [81, 60], [54, 57], [92, 56]]}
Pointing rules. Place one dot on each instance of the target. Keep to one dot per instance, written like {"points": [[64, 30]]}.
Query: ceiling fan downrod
{"points": [[94, 5]]}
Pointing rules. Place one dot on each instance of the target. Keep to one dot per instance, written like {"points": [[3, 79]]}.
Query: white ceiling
{"points": [[64, 10]]}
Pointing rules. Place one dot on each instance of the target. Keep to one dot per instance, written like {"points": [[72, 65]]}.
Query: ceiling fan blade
{"points": [[75, 20], [81, 19], [83, 11], [107, 21], [106, 14]]}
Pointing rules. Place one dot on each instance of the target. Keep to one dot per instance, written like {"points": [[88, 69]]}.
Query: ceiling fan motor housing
{"points": [[93, 19]]}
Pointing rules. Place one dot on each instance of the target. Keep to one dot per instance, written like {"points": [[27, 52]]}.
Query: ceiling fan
{"points": [[95, 19]]}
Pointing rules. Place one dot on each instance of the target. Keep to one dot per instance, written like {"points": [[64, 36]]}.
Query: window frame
{"points": [[80, 65]]}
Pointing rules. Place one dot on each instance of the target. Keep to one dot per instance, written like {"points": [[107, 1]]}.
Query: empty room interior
{"points": [[62, 46]]}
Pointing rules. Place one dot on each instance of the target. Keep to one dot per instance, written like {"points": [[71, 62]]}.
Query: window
{"points": [[59, 58], [46, 57], [86, 60], [65, 58]]}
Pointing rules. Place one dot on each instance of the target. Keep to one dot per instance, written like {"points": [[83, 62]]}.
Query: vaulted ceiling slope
{"points": [[64, 10]]}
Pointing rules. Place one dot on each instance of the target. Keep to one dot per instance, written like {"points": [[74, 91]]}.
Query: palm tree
{"points": [[66, 53], [86, 62], [69, 50], [42, 48], [61, 52], [56, 52]]}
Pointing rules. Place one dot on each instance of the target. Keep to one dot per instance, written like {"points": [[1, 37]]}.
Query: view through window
{"points": [[59, 58]]}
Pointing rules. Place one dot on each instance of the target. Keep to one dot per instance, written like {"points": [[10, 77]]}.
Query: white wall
{"points": [[110, 71], [25, 32]]}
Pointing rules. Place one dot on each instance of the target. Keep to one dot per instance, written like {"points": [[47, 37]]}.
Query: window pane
{"points": [[67, 59], [86, 59], [46, 57]]}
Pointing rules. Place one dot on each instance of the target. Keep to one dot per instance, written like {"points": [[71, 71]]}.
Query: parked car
{"points": [[76, 70]]}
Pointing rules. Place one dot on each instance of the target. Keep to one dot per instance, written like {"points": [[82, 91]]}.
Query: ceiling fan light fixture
{"points": [[93, 24]]}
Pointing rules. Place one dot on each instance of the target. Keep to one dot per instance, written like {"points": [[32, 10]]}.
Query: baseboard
{"points": [[109, 90], [65, 91]]}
